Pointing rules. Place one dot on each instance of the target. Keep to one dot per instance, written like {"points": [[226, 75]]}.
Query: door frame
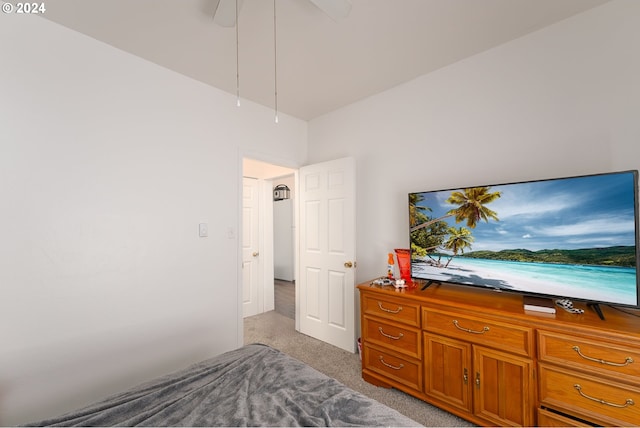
{"points": [[266, 235]]}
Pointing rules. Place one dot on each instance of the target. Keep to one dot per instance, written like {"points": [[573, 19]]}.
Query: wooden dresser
{"points": [[478, 354]]}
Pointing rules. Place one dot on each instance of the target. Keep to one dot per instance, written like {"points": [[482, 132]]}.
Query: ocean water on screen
{"points": [[598, 283]]}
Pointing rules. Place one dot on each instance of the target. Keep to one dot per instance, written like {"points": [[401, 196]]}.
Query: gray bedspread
{"points": [[252, 386]]}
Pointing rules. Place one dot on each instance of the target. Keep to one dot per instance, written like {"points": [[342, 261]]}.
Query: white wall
{"points": [[107, 165], [561, 101]]}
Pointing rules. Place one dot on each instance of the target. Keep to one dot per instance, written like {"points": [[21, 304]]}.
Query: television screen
{"points": [[574, 237]]}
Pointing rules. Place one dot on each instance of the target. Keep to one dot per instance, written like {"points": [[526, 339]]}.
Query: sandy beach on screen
{"points": [[460, 272]]}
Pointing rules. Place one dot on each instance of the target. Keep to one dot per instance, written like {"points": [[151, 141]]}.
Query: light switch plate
{"points": [[203, 230]]}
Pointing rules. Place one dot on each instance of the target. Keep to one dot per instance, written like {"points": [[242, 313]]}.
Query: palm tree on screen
{"points": [[459, 239], [471, 207], [416, 212]]}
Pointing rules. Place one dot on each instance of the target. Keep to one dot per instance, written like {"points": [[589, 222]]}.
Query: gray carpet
{"points": [[285, 298], [278, 331]]}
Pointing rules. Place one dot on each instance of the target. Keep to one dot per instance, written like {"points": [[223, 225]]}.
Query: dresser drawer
{"points": [[401, 370], [388, 307], [397, 337], [507, 337], [601, 401], [551, 419], [602, 357]]}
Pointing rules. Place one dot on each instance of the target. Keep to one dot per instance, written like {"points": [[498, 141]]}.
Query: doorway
{"points": [[324, 247], [273, 261]]}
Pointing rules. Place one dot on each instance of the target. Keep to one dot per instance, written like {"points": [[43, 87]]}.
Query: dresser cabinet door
{"points": [[503, 388], [448, 371]]}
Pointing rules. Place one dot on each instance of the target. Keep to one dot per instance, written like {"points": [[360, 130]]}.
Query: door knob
{"points": [[256, 254], [348, 264]]}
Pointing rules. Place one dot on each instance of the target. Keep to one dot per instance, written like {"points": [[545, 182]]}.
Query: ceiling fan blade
{"points": [[336, 9], [225, 13]]}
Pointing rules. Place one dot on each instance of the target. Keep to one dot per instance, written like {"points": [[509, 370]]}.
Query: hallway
{"points": [[285, 298]]}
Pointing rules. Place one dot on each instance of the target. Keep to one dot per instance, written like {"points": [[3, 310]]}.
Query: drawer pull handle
{"points": [[627, 403], [627, 360], [468, 330], [390, 365], [393, 311], [400, 336]]}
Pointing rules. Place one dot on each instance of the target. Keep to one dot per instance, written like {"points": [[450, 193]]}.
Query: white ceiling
{"points": [[322, 64]]}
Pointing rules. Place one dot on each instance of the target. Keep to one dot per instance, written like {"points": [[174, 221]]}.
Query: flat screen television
{"points": [[572, 237]]}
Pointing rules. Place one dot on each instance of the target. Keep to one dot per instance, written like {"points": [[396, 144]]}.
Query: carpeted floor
{"points": [[285, 298], [278, 331]]}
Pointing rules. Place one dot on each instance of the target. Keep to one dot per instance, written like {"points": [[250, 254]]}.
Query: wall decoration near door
{"points": [[280, 192]]}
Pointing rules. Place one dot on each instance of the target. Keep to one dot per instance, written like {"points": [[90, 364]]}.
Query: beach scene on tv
{"points": [[567, 238]]}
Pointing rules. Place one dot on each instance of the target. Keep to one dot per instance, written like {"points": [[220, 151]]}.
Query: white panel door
{"points": [[250, 247], [327, 251]]}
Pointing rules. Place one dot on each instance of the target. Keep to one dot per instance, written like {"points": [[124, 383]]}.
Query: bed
{"points": [[255, 385]]}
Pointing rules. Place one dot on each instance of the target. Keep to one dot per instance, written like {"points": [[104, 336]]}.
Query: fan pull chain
{"points": [[275, 62], [237, 60]]}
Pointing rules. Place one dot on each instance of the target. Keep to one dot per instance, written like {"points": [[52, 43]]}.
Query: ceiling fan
{"points": [[225, 12]]}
